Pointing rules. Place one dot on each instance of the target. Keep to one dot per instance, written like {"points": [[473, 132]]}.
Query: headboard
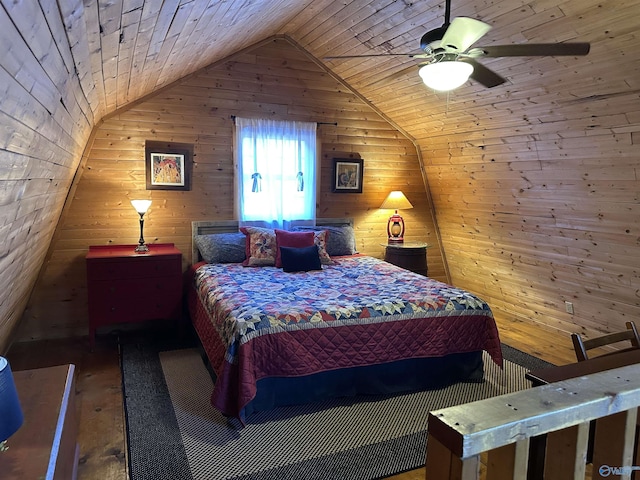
{"points": [[205, 227]]}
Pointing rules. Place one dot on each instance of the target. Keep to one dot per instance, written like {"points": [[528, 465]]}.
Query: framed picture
{"points": [[347, 175], [168, 165]]}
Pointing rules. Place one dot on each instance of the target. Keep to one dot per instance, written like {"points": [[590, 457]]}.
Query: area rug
{"points": [[174, 433]]}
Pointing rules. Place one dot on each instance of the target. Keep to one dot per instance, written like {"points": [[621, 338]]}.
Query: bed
{"points": [[356, 326]]}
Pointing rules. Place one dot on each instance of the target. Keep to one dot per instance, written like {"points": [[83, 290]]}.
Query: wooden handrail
{"points": [[509, 426]]}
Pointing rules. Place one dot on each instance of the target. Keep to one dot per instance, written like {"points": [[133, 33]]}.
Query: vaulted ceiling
{"points": [[123, 50]]}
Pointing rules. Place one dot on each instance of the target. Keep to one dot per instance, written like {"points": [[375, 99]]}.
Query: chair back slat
{"points": [[581, 346]]}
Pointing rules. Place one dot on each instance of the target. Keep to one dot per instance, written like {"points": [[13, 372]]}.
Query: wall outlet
{"points": [[568, 306]]}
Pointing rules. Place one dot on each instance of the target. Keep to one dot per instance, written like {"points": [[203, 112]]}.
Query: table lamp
{"points": [[141, 207], [11, 417], [395, 226]]}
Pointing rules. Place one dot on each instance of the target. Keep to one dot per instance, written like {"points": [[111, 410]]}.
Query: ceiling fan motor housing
{"points": [[430, 41]]}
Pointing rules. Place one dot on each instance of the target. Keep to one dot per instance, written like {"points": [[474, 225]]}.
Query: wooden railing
{"points": [[511, 432]]}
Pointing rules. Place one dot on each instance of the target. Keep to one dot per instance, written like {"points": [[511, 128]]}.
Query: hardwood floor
{"points": [[99, 390]]}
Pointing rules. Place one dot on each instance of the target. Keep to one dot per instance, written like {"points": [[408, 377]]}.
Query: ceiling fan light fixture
{"points": [[446, 75]]}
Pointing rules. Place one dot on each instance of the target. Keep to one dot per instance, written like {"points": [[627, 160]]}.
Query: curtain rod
{"points": [[233, 118]]}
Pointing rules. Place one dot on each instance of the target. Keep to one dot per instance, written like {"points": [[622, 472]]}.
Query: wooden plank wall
{"points": [[532, 232], [45, 124], [274, 80]]}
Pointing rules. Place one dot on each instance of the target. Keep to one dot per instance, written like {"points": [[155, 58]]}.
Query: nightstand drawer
{"points": [[141, 267], [131, 301]]}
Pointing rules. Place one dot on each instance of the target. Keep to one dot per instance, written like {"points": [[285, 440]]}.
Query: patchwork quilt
{"points": [[257, 322]]}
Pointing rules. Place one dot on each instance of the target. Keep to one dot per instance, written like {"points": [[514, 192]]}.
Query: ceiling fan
{"points": [[450, 61]]}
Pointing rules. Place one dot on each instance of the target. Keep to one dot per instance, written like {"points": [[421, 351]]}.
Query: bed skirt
{"points": [[404, 376]]}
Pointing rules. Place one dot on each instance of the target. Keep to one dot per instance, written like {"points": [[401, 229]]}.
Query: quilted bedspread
{"points": [[264, 322]]}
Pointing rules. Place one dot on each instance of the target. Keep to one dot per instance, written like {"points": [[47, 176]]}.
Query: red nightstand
{"points": [[126, 287]]}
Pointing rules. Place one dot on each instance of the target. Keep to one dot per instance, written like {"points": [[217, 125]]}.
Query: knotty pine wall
{"points": [[274, 80], [551, 216], [45, 125]]}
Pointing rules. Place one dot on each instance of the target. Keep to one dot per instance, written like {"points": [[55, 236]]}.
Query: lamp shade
{"points": [[446, 75], [141, 206], [396, 201], [10, 412]]}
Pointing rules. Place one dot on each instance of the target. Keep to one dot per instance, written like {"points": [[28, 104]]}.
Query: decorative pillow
{"points": [[285, 238], [260, 246], [320, 239], [300, 259], [222, 247], [340, 240]]}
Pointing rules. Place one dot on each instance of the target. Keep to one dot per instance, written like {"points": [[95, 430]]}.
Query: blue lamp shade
{"points": [[10, 412]]}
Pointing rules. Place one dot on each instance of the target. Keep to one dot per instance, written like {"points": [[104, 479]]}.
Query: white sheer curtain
{"points": [[276, 181]]}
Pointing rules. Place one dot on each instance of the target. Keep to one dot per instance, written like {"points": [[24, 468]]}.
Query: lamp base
{"points": [[142, 248], [395, 229]]}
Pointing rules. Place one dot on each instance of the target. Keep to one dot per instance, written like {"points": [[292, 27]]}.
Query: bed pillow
{"points": [[285, 238], [222, 247], [300, 259], [260, 246], [340, 240]]}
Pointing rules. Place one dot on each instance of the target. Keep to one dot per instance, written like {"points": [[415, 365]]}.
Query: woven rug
{"points": [[174, 433]]}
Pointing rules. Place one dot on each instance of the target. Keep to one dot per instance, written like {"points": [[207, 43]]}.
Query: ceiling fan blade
{"points": [[408, 55], [463, 32], [531, 50], [482, 74]]}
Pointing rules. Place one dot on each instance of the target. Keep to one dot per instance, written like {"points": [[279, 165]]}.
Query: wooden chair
{"points": [[582, 346]]}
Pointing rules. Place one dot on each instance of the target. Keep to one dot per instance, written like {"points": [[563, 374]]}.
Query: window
{"points": [[276, 180]]}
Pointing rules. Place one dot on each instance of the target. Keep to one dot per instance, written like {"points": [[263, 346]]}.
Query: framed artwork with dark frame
{"points": [[168, 165], [347, 175]]}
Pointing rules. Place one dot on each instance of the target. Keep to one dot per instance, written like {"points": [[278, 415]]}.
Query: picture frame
{"points": [[168, 165], [347, 175]]}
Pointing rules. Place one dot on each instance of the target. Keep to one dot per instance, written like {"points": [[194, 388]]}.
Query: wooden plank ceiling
{"points": [[534, 182], [123, 50]]}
